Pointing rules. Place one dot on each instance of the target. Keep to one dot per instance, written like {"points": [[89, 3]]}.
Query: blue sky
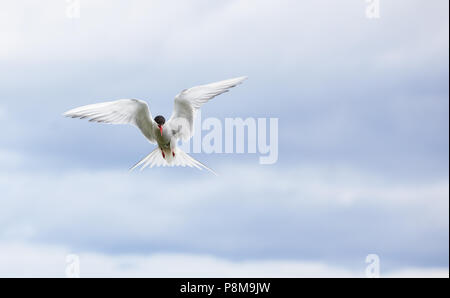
{"points": [[363, 139]]}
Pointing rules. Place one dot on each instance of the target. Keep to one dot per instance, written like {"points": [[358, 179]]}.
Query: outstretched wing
{"points": [[190, 100], [122, 111]]}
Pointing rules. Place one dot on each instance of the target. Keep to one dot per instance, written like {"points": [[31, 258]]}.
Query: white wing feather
{"points": [[188, 101], [123, 111]]}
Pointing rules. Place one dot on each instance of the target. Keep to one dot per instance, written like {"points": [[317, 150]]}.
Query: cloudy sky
{"points": [[363, 162]]}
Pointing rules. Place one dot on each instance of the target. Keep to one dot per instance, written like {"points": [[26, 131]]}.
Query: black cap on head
{"points": [[160, 120]]}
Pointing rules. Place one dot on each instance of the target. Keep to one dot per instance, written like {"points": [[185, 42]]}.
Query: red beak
{"points": [[160, 129]]}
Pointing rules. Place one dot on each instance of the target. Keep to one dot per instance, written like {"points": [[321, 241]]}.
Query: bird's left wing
{"points": [[188, 101], [122, 111]]}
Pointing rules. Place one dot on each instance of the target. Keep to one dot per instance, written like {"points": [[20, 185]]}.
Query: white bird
{"points": [[165, 135]]}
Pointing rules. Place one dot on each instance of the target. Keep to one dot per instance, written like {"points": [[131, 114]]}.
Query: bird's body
{"points": [[157, 130]]}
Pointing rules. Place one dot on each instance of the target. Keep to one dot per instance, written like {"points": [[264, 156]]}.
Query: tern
{"points": [[159, 131]]}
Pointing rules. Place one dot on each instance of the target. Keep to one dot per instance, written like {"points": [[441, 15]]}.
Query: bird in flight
{"points": [[159, 131]]}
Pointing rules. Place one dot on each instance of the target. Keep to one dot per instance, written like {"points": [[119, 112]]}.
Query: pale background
{"points": [[363, 108]]}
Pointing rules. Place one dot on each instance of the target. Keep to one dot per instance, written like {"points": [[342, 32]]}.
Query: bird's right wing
{"points": [[122, 111]]}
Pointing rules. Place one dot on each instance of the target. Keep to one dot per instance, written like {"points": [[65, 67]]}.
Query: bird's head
{"points": [[160, 120]]}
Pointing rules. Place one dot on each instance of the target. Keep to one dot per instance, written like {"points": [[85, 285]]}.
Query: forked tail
{"points": [[181, 159]]}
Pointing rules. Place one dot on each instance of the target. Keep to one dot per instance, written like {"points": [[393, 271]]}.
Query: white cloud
{"points": [[420, 273], [236, 215], [281, 34], [101, 210], [31, 260]]}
